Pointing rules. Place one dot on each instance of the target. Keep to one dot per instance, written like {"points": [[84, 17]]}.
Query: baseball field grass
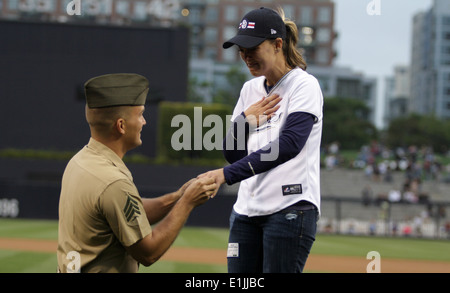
{"points": [[193, 250]]}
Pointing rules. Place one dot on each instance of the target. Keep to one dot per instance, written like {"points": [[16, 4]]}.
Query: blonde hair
{"points": [[293, 56]]}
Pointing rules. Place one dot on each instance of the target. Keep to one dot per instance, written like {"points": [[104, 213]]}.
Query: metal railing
{"points": [[342, 215]]}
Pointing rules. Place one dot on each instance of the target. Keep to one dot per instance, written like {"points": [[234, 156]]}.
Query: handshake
{"points": [[199, 190]]}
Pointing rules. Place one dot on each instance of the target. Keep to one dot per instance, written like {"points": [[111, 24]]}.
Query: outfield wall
{"points": [[40, 201], [343, 215], [37, 200], [30, 189]]}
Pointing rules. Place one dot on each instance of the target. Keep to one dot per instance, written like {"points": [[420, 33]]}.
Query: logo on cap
{"points": [[244, 25]]}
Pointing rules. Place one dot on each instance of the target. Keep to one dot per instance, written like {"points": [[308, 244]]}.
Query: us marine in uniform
{"points": [[104, 223]]}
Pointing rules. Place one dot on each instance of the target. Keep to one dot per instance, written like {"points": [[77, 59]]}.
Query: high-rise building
{"points": [[430, 61], [211, 21], [344, 82], [397, 94]]}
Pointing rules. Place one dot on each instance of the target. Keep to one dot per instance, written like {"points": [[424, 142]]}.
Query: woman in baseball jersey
{"points": [[273, 148]]}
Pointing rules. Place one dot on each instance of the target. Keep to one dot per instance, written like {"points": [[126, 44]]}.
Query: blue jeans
{"points": [[277, 243]]}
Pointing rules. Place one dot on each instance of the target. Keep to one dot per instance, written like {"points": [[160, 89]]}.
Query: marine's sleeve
{"points": [[122, 208]]}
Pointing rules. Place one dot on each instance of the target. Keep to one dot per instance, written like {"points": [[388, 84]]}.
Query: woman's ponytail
{"points": [[293, 56]]}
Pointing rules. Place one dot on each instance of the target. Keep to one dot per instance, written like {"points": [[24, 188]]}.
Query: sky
{"points": [[374, 44]]}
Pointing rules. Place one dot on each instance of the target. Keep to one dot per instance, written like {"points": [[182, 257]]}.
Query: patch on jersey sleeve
{"points": [[292, 189], [131, 209]]}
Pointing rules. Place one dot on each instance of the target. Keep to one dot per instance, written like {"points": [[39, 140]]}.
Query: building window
{"points": [[211, 53], [13, 4], [306, 15], [194, 52], [211, 34], [229, 55], [32, 6], [140, 10], [229, 32], [195, 16], [322, 56], [323, 35], [349, 88], [289, 11], [324, 15], [446, 20], [64, 5], [47, 6], [306, 36], [324, 83], [231, 13], [212, 14], [95, 8], [122, 8]]}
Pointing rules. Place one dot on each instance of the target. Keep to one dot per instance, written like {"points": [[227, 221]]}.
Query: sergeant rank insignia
{"points": [[131, 209]]}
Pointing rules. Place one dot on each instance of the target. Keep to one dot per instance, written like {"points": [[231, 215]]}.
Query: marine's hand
{"points": [[184, 187], [217, 175]]}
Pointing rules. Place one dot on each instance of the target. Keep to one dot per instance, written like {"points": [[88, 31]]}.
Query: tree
{"points": [[419, 130], [196, 90], [229, 96], [345, 121]]}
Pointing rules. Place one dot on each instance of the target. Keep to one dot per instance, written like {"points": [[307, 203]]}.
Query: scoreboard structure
{"points": [[43, 68]]}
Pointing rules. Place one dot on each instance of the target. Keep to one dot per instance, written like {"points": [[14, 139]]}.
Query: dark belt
{"points": [[302, 205]]}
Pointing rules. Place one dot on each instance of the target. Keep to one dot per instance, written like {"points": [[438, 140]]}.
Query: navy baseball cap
{"points": [[257, 26]]}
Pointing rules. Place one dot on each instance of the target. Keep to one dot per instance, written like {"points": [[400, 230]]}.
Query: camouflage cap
{"points": [[118, 89]]}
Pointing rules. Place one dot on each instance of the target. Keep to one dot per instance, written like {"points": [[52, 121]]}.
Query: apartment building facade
{"points": [[215, 21], [430, 61]]}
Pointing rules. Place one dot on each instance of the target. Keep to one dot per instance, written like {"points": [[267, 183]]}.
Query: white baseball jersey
{"points": [[299, 178]]}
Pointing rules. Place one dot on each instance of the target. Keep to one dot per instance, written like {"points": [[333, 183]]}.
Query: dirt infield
{"points": [[316, 263]]}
